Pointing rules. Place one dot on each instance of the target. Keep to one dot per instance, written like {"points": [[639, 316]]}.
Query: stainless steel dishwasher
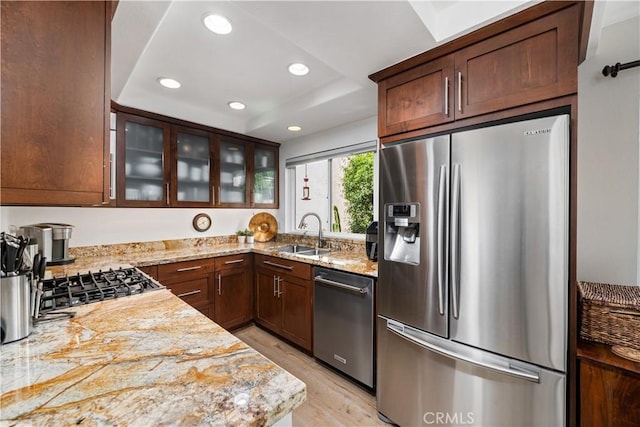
{"points": [[343, 323]]}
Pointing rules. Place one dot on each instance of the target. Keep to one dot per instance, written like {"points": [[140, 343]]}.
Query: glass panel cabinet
{"points": [[233, 172], [264, 180], [193, 168], [142, 157], [164, 164]]}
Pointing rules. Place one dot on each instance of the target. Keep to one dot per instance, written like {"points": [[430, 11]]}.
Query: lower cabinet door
{"points": [[268, 305], [233, 299], [297, 309]]}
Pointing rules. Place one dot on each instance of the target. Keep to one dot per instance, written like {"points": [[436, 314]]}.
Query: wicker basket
{"points": [[610, 314]]}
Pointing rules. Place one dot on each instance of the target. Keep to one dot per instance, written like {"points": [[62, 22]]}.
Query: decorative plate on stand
{"points": [[264, 226]]}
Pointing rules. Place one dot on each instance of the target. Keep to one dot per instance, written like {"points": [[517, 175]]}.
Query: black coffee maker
{"points": [[372, 241]]}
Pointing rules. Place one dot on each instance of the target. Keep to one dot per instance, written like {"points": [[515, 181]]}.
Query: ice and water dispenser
{"points": [[402, 232]]}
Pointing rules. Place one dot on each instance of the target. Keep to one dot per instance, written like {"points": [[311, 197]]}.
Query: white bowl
{"points": [[149, 170]]}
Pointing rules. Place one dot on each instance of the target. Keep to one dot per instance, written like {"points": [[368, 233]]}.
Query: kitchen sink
{"points": [[293, 249], [301, 250]]}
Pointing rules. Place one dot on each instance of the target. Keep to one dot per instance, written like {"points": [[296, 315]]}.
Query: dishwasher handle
{"points": [[340, 285]]}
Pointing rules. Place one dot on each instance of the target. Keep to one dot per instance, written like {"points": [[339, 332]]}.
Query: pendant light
{"points": [[305, 187]]}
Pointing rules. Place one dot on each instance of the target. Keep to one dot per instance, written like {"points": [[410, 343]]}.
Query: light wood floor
{"points": [[332, 400]]}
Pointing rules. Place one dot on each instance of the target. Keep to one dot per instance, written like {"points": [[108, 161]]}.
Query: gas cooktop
{"points": [[70, 291]]}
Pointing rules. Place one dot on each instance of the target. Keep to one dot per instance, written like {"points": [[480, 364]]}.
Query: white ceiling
{"points": [[341, 41]]}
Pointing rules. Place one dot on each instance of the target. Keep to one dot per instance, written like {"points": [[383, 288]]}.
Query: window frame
{"points": [[291, 193]]}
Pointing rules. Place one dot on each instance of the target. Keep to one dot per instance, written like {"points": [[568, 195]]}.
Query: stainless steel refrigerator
{"points": [[473, 277]]}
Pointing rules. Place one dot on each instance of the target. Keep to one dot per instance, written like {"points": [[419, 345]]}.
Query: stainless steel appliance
{"points": [[343, 323], [473, 276], [52, 239]]}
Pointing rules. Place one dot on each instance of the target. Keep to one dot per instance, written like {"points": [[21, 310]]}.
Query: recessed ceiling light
{"points": [[294, 128], [218, 24], [168, 82], [237, 105], [298, 69]]}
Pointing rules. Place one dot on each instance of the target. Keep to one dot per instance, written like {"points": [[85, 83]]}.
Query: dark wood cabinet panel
{"points": [[284, 299], [268, 305], [55, 96], [609, 397], [192, 281], [194, 292], [151, 270], [609, 387], [297, 311], [530, 63], [233, 297], [417, 98]]}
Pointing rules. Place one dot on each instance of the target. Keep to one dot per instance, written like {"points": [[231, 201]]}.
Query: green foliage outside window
{"points": [[357, 186]]}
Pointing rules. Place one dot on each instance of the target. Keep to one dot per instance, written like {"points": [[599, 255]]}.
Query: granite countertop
{"points": [[119, 362], [353, 261]]}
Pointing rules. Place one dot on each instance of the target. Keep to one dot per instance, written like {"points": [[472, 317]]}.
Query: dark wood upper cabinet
{"points": [[193, 152], [143, 162], [530, 57], [530, 63], [55, 102], [166, 162], [418, 98]]}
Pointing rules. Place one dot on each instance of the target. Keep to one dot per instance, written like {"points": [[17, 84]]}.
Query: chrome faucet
{"points": [[304, 225]]}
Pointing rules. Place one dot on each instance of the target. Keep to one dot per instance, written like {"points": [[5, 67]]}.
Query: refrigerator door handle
{"points": [[441, 238], [514, 371], [455, 239]]}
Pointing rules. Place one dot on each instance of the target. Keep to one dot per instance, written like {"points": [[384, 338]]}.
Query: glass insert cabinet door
{"points": [[233, 173], [144, 162], [193, 175], [264, 182]]}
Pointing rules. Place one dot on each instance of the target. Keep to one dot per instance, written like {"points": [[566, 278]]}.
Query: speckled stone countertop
{"points": [[119, 362], [350, 258]]}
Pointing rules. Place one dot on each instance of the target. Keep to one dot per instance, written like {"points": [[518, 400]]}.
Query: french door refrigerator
{"points": [[473, 277]]}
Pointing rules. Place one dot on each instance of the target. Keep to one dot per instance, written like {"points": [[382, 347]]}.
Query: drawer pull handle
{"points": [[235, 261], [273, 264], [219, 284], [197, 267], [186, 294]]}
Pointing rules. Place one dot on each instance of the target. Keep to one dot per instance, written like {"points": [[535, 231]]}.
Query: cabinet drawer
{"points": [[194, 292], [184, 270], [232, 261], [284, 266]]}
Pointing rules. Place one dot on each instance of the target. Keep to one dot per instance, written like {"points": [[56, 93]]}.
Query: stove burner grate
{"points": [[79, 289]]}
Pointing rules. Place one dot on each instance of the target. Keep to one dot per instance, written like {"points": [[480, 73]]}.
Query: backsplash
{"points": [[164, 245]]}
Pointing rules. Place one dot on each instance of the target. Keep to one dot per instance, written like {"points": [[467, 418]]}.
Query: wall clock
{"points": [[202, 222]]}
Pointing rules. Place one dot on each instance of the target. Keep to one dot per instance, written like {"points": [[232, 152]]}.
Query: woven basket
{"points": [[610, 314]]}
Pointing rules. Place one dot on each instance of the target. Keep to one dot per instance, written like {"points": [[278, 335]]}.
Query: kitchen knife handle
{"points": [[455, 241], [446, 96], [441, 237]]}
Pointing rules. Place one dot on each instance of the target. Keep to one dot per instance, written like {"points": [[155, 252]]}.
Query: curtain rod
{"points": [[614, 69]]}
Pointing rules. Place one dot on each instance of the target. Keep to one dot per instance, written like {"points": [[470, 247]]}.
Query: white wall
{"points": [[100, 226], [608, 159]]}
